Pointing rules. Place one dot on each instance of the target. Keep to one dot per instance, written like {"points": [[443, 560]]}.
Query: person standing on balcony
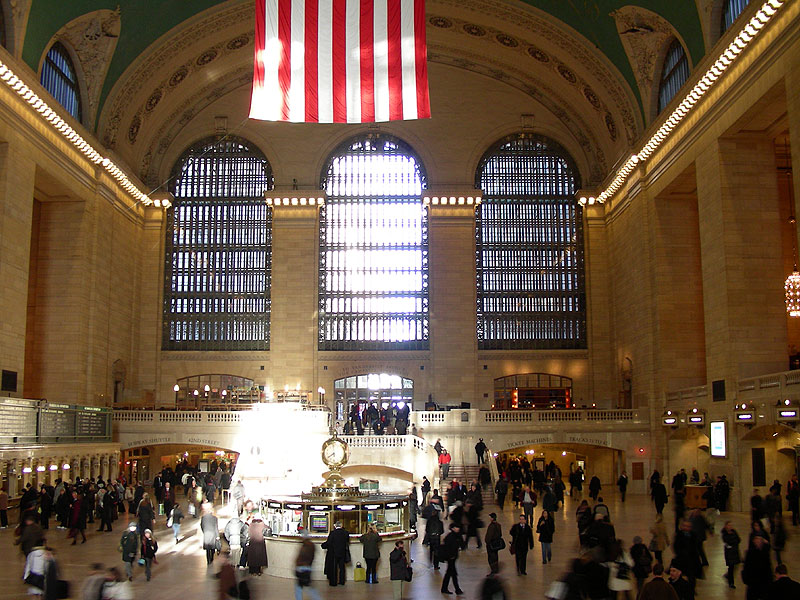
{"points": [[480, 450]]}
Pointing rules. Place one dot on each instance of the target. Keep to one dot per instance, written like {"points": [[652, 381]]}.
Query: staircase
{"points": [[465, 474]]}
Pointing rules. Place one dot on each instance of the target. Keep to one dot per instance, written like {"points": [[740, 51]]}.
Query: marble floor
{"points": [[181, 571]]}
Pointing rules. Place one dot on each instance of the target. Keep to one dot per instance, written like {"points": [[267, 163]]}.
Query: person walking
{"points": [[642, 561], [148, 551], [660, 539], [594, 487], [528, 501], [45, 507], [731, 541], [480, 450], [521, 542], [657, 588], [129, 545], [658, 492], [793, 499], [757, 569], [622, 484], [236, 532], [398, 569], [106, 510], [302, 568], [546, 527], [448, 551], [501, 489], [117, 587], [444, 462], [434, 528], [77, 518], [145, 513], [209, 525], [257, 546], [619, 571], [175, 517], [371, 542], [494, 543]]}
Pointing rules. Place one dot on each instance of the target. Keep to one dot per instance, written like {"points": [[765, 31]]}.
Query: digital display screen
{"points": [[717, 438], [318, 523]]}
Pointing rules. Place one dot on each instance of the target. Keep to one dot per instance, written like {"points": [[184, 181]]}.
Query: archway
{"points": [[356, 393], [142, 463]]}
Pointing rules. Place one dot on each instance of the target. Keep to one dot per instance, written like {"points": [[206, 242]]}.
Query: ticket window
{"points": [[373, 516], [318, 523], [349, 518], [394, 520]]}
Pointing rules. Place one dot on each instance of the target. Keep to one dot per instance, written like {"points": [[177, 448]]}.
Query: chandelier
{"points": [[792, 289]]}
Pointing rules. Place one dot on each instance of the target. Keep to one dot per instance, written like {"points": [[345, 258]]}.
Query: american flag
{"points": [[340, 61]]}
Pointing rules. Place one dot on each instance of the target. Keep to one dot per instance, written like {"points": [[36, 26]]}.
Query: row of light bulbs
{"points": [[68, 132], [725, 60], [452, 200], [42, 468], [295, 201]]}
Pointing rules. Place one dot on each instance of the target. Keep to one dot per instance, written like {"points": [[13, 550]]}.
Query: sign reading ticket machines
{"points": [[717, 438]]}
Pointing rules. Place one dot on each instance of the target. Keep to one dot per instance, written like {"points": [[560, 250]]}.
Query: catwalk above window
{"points": [[529, 247], [218, 249], [674, 74], [373, 248], [61, 80]]}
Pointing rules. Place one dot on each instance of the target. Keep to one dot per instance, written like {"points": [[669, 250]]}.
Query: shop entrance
{"points": [[142, 464]]}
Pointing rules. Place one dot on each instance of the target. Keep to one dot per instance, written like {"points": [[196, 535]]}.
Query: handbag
{"points": [[169, 522], [62, 589], [359, 573], [142, 561], [512, 549], [303, 577], [409, 573], [35, 580], [497, 544]]}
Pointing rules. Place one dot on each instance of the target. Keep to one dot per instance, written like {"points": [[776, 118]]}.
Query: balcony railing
{"points": [[503, 418], [772, 386]]}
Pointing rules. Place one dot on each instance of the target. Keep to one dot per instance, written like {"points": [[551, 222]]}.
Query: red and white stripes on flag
{"points": [[340, 61]]}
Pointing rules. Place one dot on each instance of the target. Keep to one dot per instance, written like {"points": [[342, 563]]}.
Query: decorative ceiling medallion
{"points": [[238, 42], [153, 100], [473, 29], [506, 40], [567, 74], [539, 55], [206, 57], [178, 76], [440, 22], [592, 97]]}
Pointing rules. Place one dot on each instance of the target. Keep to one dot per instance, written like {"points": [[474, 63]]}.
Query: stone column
{"points": [[741, 261], [75, 469], [17, 173], [13, 474], [453, 343], [114, 465], [792, 85], [294, 297], [104, 467]]}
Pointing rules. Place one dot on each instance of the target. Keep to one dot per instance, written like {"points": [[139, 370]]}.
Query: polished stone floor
{"points": [[181, 571]]}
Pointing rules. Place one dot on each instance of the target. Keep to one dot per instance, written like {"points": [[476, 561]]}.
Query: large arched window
{"points": [[218, 249], [731, 9], [674, 74], [373, 248], [529, 243], [61, 80]]}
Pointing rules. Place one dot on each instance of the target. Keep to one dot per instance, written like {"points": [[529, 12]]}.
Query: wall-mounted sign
{"points": [[718, 442]]}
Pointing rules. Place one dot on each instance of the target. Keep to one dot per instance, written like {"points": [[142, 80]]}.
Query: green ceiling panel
{"points": [[145, 21]]}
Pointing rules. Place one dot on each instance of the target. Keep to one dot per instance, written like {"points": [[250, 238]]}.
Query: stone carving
{"points": [[440, 22], [580, 51], [643, 34], [19, 22], [94, 38]]}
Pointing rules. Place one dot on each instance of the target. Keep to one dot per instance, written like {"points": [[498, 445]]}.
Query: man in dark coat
{"points": [[594, 487], [657, 588], [493, 533], [793, 498], [783, 586], [686, 549], [450, 547], [338, 547], [522, 541], [683, 588], [501, 489], [659, 493]]}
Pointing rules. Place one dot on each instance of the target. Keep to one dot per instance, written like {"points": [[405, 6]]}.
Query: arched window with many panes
{"points": [[731, 9], [529, 247], [60, 78], [218, 249], [674, 73], [373, 248]]}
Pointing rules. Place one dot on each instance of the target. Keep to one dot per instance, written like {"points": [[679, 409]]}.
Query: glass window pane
{"points": [[529, 247]]}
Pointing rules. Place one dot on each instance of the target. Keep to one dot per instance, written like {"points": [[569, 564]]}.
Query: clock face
{"points": [[334, 452]]}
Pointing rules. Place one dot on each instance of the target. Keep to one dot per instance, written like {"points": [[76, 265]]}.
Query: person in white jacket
{"points": [[118, 588], [35, 567], [620, 572]]}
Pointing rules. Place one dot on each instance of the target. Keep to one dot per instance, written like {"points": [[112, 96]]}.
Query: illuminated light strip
{"points": [[728, 56], [452, 200], [65, 129], [295, 201]]}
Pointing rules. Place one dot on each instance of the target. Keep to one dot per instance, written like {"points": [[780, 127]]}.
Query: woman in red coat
{"points": [[77, 518]]}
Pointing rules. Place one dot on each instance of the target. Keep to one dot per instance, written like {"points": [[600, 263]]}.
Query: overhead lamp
{"points": [[696, 417], [669, 419], [787, 412]]}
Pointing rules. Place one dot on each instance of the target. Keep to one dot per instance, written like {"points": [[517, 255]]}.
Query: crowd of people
{"points": [[606, 568], [374, 419]]}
